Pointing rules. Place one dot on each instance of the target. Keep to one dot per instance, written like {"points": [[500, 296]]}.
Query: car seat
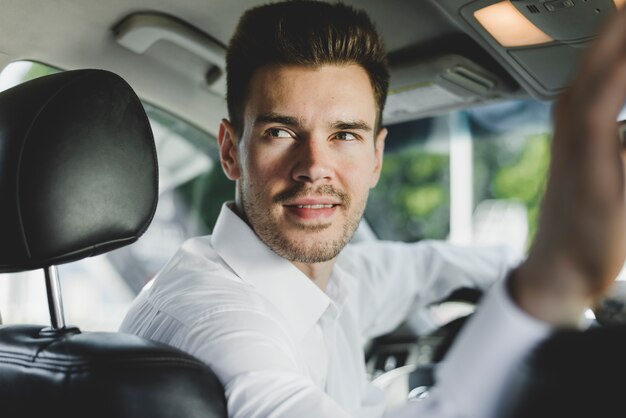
{"points": [[572, 374], [78, 178]]}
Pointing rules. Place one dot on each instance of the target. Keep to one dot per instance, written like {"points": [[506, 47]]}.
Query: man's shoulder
{"points": [[196, 281]]}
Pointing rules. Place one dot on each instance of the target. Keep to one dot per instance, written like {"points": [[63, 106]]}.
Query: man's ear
{"points": [[379, 150], [227, 140]]}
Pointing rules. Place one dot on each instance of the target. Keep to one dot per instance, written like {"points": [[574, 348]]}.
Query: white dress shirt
{"points": [[284, 348]]}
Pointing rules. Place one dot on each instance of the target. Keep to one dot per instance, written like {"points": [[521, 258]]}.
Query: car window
{"points": [[189, 172], [470, 176]]}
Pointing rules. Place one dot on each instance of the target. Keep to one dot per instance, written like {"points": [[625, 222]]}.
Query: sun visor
{"points": [[427, 87]]}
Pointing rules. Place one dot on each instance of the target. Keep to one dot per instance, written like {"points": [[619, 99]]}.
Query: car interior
{"points": [[468, 114]]}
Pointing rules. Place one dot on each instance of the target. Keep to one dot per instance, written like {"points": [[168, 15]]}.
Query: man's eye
{"points": [[278, 133], [345, 136]]}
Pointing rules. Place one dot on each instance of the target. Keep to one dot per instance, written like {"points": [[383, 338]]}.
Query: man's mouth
{"points": [[309, 210], [308, 205], [316, 206], [312, 198]]}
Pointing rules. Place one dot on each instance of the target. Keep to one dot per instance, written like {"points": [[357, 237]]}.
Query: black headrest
{"points": [[78, 169]]}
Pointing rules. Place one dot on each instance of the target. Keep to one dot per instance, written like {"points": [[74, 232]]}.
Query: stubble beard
{"points": [[310, 249]]}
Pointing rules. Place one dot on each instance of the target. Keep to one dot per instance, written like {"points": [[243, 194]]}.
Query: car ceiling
{"points": [[422, 38]]}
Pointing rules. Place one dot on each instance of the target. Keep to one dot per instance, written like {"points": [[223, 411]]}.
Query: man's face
{"points": [[306, 159]]}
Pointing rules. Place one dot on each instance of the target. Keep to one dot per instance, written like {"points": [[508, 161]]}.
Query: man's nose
{"points": [[313, 161]]}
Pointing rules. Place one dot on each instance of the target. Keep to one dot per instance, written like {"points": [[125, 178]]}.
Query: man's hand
{"points": [[580, 245]]}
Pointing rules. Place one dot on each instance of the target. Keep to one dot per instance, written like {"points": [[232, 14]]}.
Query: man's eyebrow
{"points": [[295, 122], [277, 118], [352, 125]]}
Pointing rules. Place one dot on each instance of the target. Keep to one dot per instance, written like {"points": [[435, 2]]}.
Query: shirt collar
{"points": [[300, 301]]}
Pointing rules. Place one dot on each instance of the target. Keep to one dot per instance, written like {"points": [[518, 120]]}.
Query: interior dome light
{"points": [[510, 27]]}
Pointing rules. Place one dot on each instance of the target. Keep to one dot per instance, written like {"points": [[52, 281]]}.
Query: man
{"points": [[278, 303]]}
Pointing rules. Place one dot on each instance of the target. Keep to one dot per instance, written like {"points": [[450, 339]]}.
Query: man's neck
{"points": [[319, 273]]}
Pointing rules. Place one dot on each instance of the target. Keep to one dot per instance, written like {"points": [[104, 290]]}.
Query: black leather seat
{"points": [[78, 177], [574, 374]]}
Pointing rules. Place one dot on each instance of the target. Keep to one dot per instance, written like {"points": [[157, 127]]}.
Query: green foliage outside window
{"points": [[514, 173], [412, 198]]}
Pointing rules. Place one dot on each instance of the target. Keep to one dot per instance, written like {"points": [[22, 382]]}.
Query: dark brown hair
{"points": [[302, 32]]}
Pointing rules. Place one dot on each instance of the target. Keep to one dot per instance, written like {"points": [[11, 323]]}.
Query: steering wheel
{"points": [[403, 363]]}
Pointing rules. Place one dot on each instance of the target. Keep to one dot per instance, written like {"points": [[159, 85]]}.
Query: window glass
{"points": [[412, 198], [511, 155], [471, 176]]}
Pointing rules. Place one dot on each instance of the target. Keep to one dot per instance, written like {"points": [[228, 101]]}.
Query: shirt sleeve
{"points": [[473, 380], [416, 275]]}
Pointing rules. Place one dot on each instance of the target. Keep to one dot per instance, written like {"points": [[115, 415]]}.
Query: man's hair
{"points": [[307, 33]]}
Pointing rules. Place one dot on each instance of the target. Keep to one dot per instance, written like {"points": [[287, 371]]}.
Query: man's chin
{"points": [[310, 248], [317, 254], [312, 228]]}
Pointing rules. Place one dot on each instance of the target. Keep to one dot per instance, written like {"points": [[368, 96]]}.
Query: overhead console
{"points": [[539, 41], [445, 82]]}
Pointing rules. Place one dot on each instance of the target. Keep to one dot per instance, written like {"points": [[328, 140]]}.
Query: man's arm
{"points": [[396, 279], [579, 248], [581, 240]]}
